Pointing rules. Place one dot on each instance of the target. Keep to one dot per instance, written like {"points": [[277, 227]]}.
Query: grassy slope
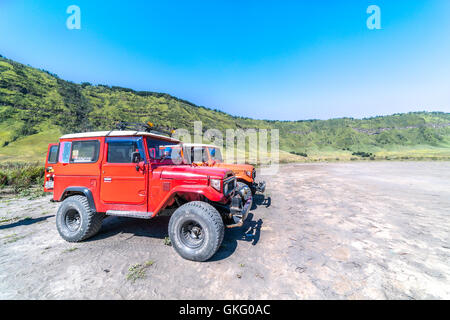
{"points": [[36, 107]]}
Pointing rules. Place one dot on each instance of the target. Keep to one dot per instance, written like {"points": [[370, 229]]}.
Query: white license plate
{"points": [[49, 184]]}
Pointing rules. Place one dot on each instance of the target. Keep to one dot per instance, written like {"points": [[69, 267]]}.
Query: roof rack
{"points": [[139, 126]]}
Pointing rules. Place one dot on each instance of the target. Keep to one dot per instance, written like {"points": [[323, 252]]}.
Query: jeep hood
{"points": [[191, 172], [235, 167]]}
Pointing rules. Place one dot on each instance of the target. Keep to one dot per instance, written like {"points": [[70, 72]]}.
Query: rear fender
{"points": [[81, 191]]}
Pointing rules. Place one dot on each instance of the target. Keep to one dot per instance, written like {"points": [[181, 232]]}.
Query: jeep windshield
{"points": [[170, 154], [215, 154], [156, 149]]}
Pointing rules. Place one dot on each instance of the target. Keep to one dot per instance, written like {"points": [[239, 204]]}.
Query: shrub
{"points": [[363, 154], [21, 176], [302, 154], [3, 179]]}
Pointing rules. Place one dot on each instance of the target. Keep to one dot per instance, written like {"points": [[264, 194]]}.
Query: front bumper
{"points": [[259, 186], [241, 204]]}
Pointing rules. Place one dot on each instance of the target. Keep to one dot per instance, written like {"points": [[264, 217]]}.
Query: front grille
{"points": [[229, 185], [254, 174]]}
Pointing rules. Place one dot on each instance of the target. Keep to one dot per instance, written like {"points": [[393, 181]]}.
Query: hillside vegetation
{"points": [[36, 107]]}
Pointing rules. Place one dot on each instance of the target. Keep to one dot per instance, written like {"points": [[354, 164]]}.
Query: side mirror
{"points": [[135, 157], [140, 166]]}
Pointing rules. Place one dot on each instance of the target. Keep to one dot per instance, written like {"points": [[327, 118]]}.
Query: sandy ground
{"points": [[375, 230]]}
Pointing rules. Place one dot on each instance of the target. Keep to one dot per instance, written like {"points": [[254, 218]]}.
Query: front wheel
{"points": [[196, 230], [252, 188]]}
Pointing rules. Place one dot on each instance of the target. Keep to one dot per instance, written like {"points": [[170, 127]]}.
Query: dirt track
{"points": [[376, 230]]}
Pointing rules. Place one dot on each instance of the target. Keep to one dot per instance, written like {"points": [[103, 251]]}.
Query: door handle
{"points": [[107, 179]]}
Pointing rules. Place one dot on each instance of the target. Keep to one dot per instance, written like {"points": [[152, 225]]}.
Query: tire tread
{"points": [[215, 219], [94, 219]]}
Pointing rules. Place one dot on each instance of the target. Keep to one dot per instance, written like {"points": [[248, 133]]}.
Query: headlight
{"points": [[249, 173], [215, 183]]}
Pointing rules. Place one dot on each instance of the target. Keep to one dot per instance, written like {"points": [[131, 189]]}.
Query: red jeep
{"points": [[121, 173]]}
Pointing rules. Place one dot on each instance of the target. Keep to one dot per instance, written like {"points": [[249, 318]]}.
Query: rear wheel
{"points": [[196, 230], [76, 221]]}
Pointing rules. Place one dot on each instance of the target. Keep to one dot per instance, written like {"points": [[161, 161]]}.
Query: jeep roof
{"points": [[117, 133]]}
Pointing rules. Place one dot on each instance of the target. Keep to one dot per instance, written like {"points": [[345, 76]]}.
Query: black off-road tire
{"points": [[210, 229], [76, 221]]}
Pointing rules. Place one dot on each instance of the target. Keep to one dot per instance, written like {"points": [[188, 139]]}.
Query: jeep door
{"points": [[123, 181], [51, 160]]}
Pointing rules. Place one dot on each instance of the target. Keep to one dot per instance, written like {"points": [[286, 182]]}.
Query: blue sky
{"points": [[286, 60]]}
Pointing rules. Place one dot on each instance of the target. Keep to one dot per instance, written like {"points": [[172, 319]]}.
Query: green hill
{"points": [[36, 107]]}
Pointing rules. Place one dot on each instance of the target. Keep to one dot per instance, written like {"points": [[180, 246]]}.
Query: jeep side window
{"points": [[53, 155], [215, 153], [85, 151], [205, 157], [123, 151], [176, 155], [197, 155], [64, 152]]}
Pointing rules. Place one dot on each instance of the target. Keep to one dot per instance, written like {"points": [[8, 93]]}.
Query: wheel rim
{"points": [[73, 220], [192, 234]]}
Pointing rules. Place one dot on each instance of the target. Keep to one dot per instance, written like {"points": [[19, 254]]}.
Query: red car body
{"points": [[140, 189]]}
